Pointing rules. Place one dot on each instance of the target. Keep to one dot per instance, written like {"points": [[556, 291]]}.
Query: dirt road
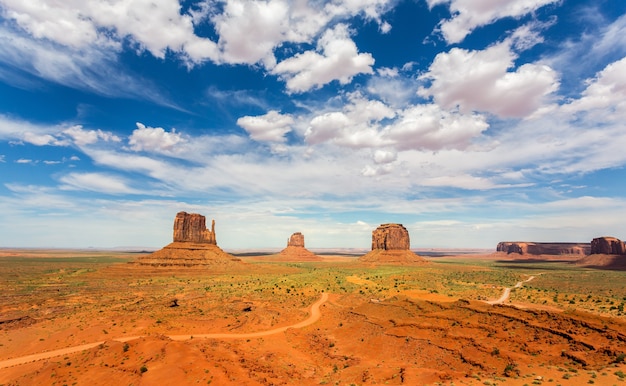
{"points": [[507, 292], [313, 317]]}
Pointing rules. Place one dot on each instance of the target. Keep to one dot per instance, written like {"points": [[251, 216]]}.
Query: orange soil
{"points": [[415, 338]]}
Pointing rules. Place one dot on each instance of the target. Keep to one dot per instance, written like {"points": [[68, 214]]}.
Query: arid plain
{"points": [[415, 324]]}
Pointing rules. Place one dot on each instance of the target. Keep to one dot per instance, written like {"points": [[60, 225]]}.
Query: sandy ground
{"points": [[282, 324]]}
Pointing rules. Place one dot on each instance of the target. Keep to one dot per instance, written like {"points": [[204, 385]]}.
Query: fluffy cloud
{"points": [[364, 123], [357, 125], [82, 137], [428, 127], [155, 25], [336, 58], [154, 139], [467, 15], [607, 90], [270, 127], [249, 30], [481, 81], [42, 139], [382, 156]]}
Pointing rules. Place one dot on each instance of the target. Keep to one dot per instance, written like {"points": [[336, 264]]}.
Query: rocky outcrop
{"points": [[607, 246], [191, 227], [193, 246], [530, 248], [391, 237], [296, 251], [296, 240], [391, 244]]}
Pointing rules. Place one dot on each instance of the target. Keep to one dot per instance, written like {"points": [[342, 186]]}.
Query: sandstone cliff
{"points": [[391, 244], [530, 248], [608, 246], [391, 237], [296, 240], [191, 227]]}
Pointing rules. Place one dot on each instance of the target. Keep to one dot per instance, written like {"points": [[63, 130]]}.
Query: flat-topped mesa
{"points": [[608, 246], [296, 240], [391, 244], [531, 248], [191, 227], [391, 237]]}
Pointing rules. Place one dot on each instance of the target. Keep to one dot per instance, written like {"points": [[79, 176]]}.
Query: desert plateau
{"points": [[77, 317]]}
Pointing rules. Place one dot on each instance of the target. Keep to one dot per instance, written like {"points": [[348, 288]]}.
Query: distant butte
{"points": [[391, 244], [295, 250], [531, 248], [608, 246], [193, 246]]}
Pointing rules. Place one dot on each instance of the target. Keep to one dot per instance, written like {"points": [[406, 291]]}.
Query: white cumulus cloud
{"points": [[357, 125], [483, 81], [428, 127], [154, 139], [336, 58], [270, 127], [83, 137], [607, 90], [467, 15]]}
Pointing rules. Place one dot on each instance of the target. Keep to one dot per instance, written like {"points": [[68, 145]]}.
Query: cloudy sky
{"points": [[468, 121]]}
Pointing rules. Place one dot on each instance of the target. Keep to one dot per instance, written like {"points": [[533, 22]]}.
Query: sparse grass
{"points": [[270, 294]]}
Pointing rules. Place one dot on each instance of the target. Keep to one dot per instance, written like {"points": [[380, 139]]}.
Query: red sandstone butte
{"points": [[296, 251], [607, 246], [391, 244], [194, 245]]}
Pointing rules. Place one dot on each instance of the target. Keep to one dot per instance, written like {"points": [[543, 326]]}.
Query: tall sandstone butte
{"points": [[191, 227], [296, 240], [193, 246], [296, 251], [607, 246], [391, 244], [391, 237]]}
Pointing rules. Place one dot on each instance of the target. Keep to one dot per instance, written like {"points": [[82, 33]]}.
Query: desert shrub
{"points": [[143, 369], [511, 370]]}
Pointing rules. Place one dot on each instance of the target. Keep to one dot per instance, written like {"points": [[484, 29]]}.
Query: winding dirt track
{"points": [[507, 292], [313, 317]]}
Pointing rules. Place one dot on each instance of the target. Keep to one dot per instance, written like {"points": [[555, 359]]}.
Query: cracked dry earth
{"points": [[358, 341]]}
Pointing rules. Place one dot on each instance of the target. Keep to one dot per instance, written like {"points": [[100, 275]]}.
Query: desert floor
{"points": [[95, 319]]}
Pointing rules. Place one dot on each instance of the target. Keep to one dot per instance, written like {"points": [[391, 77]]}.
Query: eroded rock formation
{"points": [[296, 240], [194, 245], [191, 227], [608, 246], [529, 248], [296, 251], [391, 243], [391, 237]]}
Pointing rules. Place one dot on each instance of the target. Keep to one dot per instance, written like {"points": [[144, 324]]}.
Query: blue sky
{"points": [[468, 121]]}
